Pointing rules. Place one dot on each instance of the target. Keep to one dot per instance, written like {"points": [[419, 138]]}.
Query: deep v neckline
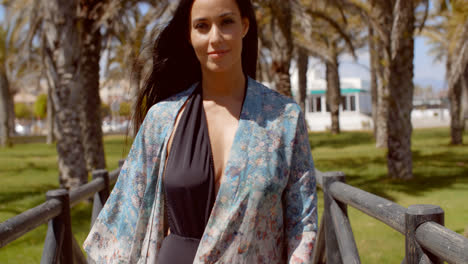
{"points": [[226, 164], [240, 126]]}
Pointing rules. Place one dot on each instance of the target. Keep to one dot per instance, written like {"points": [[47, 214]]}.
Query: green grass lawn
{"points": [[27, 171]]}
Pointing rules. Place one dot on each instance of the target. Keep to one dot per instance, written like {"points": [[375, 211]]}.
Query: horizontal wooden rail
{"points": [[443, 242], [86, 191], [433, 237], [382, 209], [21, 224]]}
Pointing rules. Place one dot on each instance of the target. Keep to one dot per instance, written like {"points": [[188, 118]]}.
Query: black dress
{"points": [[188, 184]]}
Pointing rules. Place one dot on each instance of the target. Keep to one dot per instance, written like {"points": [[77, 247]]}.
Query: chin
{"points": [[215, 68]]}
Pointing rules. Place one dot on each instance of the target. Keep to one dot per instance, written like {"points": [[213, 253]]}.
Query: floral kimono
{"points": [[265, 210]]}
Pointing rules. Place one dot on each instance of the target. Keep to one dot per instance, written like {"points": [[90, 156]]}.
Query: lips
{"points": [[217, 53]]}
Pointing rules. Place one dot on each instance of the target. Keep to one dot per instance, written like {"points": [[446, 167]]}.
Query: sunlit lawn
{"points": [[440, 177], [27, 171]]}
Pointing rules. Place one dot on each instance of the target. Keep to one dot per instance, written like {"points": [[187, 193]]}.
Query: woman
{"points": [[220, 170]]}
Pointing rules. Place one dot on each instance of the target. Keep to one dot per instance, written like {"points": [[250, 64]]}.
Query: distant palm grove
{"points": [[61, 42]]}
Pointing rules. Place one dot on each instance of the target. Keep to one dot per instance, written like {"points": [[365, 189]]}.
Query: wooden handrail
{"points": [[382, 209], [21, 224], [433, 237], [86, 191], [437, 240], [443, 242]]}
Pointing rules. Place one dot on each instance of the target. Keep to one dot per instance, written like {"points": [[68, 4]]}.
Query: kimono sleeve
{"points": [[114, 234], [300, 199]]}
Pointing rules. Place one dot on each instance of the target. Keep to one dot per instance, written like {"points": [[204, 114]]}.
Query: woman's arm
{"points": [[300, 199]]}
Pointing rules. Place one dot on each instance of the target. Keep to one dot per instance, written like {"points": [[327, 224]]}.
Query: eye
{"points": [[201, 26], [228, 21]]}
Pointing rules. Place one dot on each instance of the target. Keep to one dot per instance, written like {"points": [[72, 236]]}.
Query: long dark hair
{"points": [[175, 65]]}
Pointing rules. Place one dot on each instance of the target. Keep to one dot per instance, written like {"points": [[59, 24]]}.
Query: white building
{"points": [[355, 107], [112, 91]]}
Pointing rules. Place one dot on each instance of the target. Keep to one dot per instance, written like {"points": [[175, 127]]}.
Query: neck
{"points": [[224, 84]]}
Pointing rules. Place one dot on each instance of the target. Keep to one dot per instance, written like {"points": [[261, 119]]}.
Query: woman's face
{"points": [[216, 33]]}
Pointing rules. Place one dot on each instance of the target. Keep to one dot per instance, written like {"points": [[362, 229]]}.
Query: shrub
{"points": [[105, 110], [40, 106], [124, 109], [23, 111]]}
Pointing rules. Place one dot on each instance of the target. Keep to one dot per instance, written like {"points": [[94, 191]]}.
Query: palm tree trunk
{"points": [[50, 118], [302, 65], [373, 77], [282, 45], [399, 157], [456, 122], [11, 112], [465, 100], [62, 57], [90, 116], [334, 93], [383, 12], [5, 98]]}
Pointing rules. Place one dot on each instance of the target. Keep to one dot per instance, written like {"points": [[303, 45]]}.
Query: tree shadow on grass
{"points": [[81, 217], [342, 140], [27, 155], [28, 139], [7, 197], [28, 166], [431, 172]]}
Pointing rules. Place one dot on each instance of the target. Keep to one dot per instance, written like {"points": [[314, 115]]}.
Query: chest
{"points": [[222, 125], [222, 122]]}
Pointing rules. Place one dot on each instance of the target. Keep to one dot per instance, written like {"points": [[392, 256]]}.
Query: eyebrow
{"points": [[220, 16]]}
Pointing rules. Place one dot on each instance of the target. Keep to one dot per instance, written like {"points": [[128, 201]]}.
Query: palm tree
{"points": [[399, 156], [383, 22], [95, 15], [91, 17], [91, 11], [62, 60], [326, 38], [393, 22], [5, 102], [13, 68], [302, 66], [374, 67], [276, 23], [457, 68], [130, 43], [448, 35]]}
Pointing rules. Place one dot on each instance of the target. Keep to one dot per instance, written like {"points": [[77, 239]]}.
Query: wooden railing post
{"points": [[414, 217], [58, 243], [100, 197], [333, 254], [319, 247]]}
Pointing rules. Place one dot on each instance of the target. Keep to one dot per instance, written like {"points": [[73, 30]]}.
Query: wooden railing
{"points": [[60, 246], [426, 238]]}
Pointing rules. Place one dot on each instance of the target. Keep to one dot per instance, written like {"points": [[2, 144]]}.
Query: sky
{"points": [[426, 71]]}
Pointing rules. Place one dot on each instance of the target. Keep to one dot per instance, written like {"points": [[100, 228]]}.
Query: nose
{"points": [[216, 36]]}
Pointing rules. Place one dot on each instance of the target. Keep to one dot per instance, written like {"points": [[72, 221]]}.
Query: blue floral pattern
{"points": [[265, 209]]}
